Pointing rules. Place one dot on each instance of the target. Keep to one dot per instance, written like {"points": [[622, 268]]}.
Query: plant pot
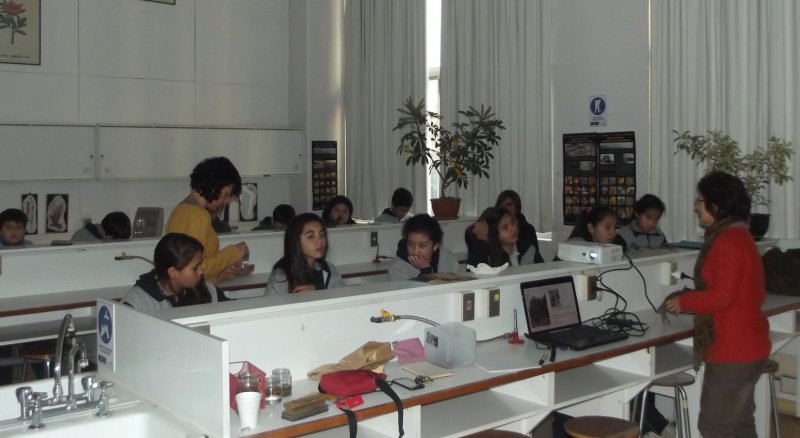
{"points": [[445, 208], [759, 224]]}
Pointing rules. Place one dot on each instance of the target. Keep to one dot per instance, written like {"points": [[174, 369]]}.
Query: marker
{"points": [[541, 361]]}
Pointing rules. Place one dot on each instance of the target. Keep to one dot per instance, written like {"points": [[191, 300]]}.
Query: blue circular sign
{"points": [[597, 106], [104, 325]]}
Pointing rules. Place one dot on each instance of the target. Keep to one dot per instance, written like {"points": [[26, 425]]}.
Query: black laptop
{"points": [[553, 316]]}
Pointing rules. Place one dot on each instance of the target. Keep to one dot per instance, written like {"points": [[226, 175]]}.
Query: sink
{"points": [[133, 421]]}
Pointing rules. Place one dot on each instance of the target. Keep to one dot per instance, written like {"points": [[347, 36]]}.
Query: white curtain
{"points": [[498, 53], [384, 64], [728, 65]]}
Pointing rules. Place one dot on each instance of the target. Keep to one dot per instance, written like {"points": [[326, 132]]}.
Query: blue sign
{"points": [[105, 325], [597, 106]]}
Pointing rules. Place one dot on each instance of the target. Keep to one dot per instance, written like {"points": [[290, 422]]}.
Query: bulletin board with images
{"points": [[323, 172], [599, 169]]}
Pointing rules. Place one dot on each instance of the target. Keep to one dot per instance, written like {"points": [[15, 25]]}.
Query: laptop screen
{"points": [[550, 304]]}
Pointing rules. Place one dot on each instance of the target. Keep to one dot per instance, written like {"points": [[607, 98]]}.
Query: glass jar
{"points": [[273, 391], [246, 382], [285, 377]]}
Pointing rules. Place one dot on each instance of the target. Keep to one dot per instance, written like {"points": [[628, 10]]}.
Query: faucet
{"points": [[67, 331], [78, 347]]}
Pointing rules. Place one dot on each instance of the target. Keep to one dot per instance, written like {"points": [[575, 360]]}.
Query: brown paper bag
{"points": [[366, 357]]}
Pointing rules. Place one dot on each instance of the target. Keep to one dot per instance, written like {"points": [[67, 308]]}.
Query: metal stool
{"points": [[677, 381], [37, 352], [771, 367], [491, 433], [601, 427]]}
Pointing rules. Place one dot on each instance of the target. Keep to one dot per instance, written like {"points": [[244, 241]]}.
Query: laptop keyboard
{"points": [[579, 338]]}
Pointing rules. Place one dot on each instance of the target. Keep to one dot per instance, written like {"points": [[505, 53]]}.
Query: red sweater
{"points": [[734, 277]]}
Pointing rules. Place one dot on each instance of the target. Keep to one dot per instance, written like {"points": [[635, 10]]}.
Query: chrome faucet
{"points": [[67, 331], [78, 347]]}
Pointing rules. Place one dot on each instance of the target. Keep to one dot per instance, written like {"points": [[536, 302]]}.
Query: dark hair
{"points": [[493, 216], [593, 216], [725, 196], [212, 175], [647, 202], [402, 198], [336, 200], [117, 225], [282, 213], [293, 263], [423, 224], [13, 215], [513, 196], [176, 250]]}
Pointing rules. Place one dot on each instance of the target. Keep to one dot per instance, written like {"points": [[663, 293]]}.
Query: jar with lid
{"points": [[273, 392], [284, 375]]}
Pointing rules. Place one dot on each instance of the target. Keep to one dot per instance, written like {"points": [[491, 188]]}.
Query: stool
{"points": [[771, 367], [37, 352], [492, 433], [677, 381], [601, 427]]}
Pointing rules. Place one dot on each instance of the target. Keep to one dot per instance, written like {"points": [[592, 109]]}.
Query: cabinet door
{"points": [[172, 152], [46, 152]]}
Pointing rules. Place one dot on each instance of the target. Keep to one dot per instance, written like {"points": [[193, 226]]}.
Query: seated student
{"points": [[500, 245], [402, 200], [282, 214], [303, 267], [597, 224], [116, 225], [12, 229], [511, 201], [339, 211], [420, 251], [177, 279], [642, 231]]}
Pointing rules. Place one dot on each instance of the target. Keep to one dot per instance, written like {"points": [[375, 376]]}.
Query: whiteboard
{"points": [[46, 152], [172, 152]]}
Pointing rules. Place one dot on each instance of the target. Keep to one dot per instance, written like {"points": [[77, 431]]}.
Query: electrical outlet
{"points": [[494, 302], [585, 287], [373, 239], [467, 306], [667, 268]]}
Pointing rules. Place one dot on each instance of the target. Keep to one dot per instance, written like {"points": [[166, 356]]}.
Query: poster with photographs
{"points": [[323, 172], [57, 213], [30, 206], [617, 172], [580, 174]]}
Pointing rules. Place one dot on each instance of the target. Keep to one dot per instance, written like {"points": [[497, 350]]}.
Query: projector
{"points": [[589, 252]]}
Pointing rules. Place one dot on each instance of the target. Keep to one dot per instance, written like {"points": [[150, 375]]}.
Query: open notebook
{"points": [[553, 316]]}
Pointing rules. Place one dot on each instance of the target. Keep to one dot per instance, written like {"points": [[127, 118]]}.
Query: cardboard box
{"points": [[239, 367]]}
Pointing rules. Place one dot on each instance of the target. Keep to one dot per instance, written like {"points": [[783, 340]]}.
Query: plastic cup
{"points": [[249, 405]]}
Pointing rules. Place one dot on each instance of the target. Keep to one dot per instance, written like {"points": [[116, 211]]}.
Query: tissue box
{"points": [[237, 367], [450, 345]]}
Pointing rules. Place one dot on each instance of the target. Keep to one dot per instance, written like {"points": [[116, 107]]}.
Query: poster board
{"points": [[324, 169]]}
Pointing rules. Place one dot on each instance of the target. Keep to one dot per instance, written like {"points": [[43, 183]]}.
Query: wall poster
{"points": [[20, 32], [599, 169], [323, 172]]}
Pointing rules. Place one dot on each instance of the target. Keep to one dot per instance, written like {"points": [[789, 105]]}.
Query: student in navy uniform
{"points": [[12, 229], [303, 267], [339, 211], [501, 242], [642, 231], [282, 214], [115, 225], [597, 224], [402, 200], [511, 201], [177, 278], [420, 251]]}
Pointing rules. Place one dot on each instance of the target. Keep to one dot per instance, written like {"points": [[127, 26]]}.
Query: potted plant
{"points": [[757, 169], [454, 155]]}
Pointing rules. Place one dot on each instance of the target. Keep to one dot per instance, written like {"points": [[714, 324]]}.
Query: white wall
{"points": [[600, 48], [139, 62]]}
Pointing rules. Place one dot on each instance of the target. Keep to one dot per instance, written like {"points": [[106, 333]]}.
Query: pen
{"points": [[541, 361]]}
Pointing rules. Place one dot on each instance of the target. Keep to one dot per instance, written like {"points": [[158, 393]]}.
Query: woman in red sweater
{"points": [[729, 281]]}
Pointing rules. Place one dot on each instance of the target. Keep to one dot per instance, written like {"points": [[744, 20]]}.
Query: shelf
{"points": [[474, 412], [672, 358], [590, 381]]}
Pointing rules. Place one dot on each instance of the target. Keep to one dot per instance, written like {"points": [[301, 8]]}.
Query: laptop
{"points": [[553, 316]]}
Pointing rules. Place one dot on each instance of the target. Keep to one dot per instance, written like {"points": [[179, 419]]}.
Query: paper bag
{"points": [[239, 367], [366, 357]]}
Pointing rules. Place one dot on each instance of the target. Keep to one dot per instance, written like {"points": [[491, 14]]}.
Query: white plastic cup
{"points": [[249, 405]]}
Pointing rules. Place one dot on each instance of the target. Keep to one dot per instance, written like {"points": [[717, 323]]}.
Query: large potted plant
{"points": [[455, 155], [757, 169]]}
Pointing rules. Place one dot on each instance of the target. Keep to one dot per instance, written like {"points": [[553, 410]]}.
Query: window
{"points": [[433, 46]]}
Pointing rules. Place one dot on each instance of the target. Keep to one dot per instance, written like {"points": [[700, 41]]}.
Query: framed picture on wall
{"points": [[168, 2], [20, 32]]}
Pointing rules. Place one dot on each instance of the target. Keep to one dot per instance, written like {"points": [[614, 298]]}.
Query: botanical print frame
{"points": [[21, 32]]}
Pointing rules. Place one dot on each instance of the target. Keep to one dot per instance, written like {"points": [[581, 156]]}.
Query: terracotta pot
{"points": [[446, 208], [759, 224]]}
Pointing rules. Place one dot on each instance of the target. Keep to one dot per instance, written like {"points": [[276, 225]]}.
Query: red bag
{"points": [[349, 383]]}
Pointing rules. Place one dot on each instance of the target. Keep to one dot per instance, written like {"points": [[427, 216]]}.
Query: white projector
{"points": [[589, 252]]}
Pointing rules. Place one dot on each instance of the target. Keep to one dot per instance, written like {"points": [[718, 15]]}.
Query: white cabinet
{"points": [[140, 152], [46, 152]]}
